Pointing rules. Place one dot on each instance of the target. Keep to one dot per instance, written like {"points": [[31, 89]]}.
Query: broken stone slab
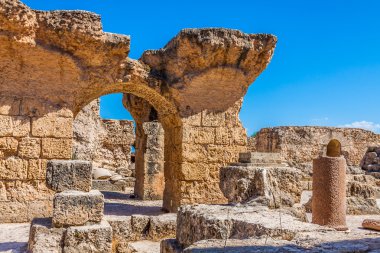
{"points": [[274, 187], [371, 224], [75, 208], [64, 175], [260, 158], [143, 246], [43, 238], [94, 238], [200, 222]]}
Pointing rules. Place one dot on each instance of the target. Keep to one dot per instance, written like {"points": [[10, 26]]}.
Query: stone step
{"points": [[62, 175], [127, 229], [201, 222], [75, 208], [94, 238]]}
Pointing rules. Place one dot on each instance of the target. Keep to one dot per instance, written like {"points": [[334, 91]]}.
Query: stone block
{"points": [[94, 238], [8, 146], [121, 229], [162, 226], [64, 175], [29, 148], [43, 238], [10, 106], [16, 126], [76, 208], [37, 169], [260, 157], [140, 226], [13, 168], [56, 148], [30, 190], [107, 185], [13, 212], [194, 171], [39, 209], [213, 119], [52, 126], [199, 135]]}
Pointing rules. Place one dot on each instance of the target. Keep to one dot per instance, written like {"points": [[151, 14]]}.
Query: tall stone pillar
{"points": [[329, 189]]}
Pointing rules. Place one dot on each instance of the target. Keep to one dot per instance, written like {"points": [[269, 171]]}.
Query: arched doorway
{"points": [[162, 111]]}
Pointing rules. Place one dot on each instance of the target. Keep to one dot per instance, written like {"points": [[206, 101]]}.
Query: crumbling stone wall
{"points": [[60, 61], [107, 143], [300, 145], [31, 132]]}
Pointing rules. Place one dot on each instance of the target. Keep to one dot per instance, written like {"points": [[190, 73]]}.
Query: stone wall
{"points": [[299, 145], [31, 132], [107, 143]]}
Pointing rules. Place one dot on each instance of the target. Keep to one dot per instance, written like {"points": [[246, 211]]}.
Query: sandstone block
{"points": [[30, 148], [75, 208], [121, 229], [17, 126], [371, 224], [43, 238], [199, 135], [56, 148], [213, 119], [64, 175], [10, 105], [30, 190], [13, 168], [39, 209], [274, 187], [194, 171], [52, 126], [13, 212], [37, 169], [95, 238], [162, 226], [8, 145]]}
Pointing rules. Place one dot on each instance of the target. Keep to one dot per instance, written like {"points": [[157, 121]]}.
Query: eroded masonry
{"points": [[224, 192], [40, 99]]}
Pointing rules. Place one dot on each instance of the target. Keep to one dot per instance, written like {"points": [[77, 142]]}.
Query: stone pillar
{"points": [[150, 181], [329, 191]]}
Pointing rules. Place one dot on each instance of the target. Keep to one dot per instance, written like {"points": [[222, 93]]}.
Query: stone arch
{"points": [[171, 122], [334, 148]]}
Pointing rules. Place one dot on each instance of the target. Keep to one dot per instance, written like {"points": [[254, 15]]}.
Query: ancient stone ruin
{"points": [[198, 183]]}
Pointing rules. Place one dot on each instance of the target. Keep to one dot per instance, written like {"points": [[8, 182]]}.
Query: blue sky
{"points": [[325, 71]]}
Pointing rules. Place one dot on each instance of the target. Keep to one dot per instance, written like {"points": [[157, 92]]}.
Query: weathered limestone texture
{"points": [[43, 238], [75, 208], [300, 145], [261, 179], [107, 143], [94, 238], [196, 223], [64, 175], [54, 63], [371, 161], [150, 181], [329, 192]]}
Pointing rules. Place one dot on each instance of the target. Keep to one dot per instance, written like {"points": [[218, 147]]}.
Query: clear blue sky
{"points": [[325, 71]]}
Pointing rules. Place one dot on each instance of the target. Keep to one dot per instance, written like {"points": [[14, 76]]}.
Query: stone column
{"points": [[329, 192]]}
